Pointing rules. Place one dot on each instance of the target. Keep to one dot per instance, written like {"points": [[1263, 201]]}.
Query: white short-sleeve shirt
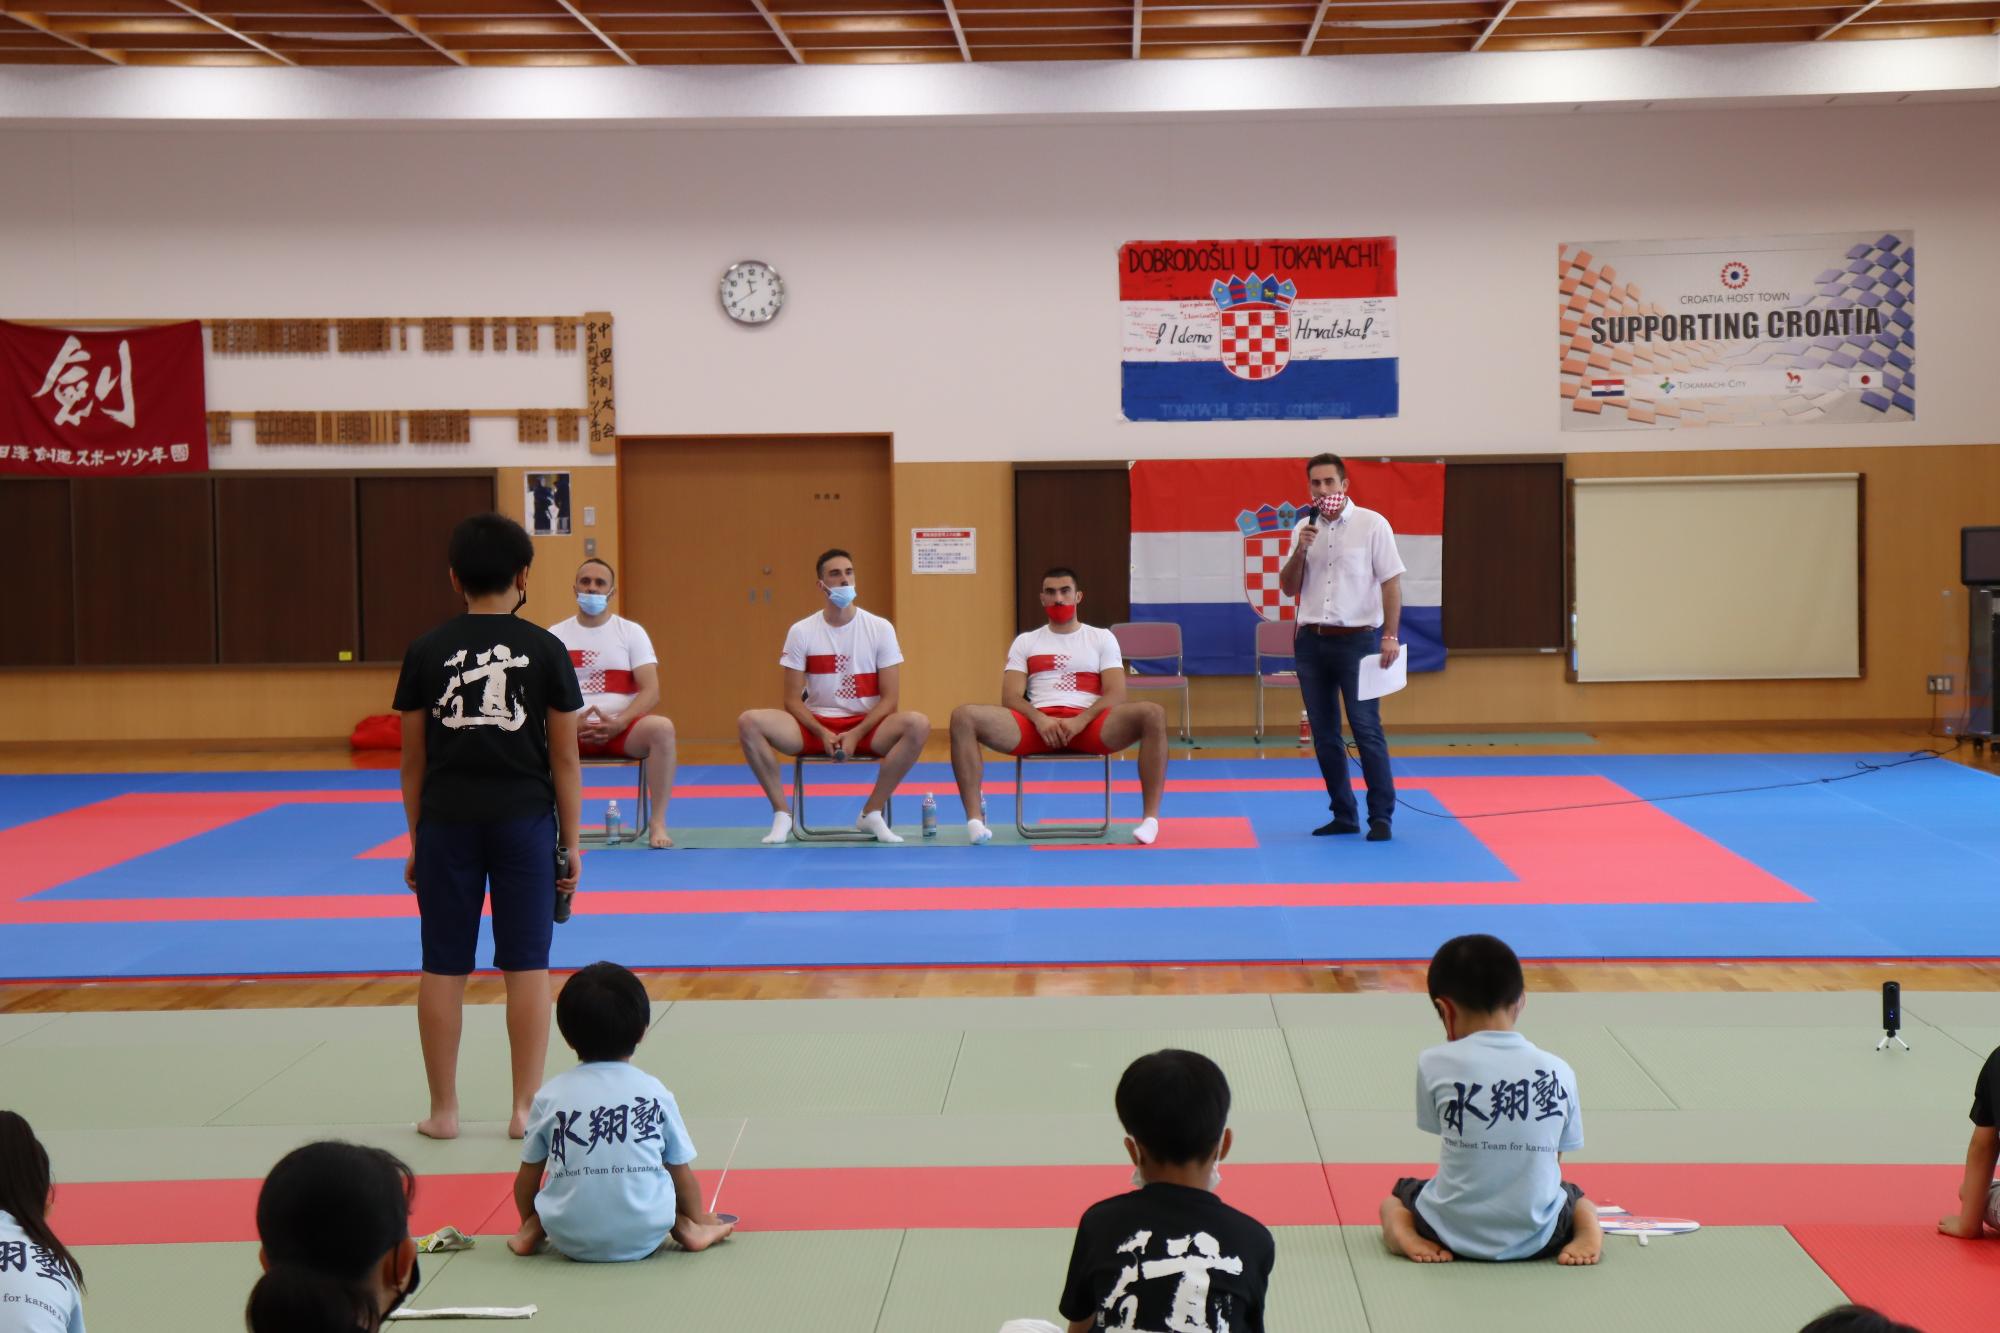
{"points": [[1349, 562], [842, 662], [1065, 670], [608, 1131], [605, 656], [37, 1294], [1503, 1109]]}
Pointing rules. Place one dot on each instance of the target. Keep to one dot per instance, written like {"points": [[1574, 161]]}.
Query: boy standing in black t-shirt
{"points": [[1978, 1208], [491, 781], [1170, 1254]]}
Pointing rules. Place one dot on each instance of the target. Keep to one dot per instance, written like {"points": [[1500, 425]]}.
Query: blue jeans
{"points": [[1329, 672]]}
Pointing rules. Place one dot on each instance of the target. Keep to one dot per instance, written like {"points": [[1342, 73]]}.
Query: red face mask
{"points": [[1060, 613], [1331, 505]]}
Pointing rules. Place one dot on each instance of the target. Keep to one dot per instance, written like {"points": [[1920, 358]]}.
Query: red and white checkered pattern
{"points": [[1256, 341], [1263, 559]]}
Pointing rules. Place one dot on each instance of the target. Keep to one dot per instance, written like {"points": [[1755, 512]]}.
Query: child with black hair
{"points": [[334, 1219], [492, 787], [41, 1283], [1978, 1193], [1506, 1111], [1170, 1254], [609, 1138]]}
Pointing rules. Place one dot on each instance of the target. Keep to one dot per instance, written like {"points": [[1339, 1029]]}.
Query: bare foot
{"points": [[1399, 1229], [440, 1125], [656, 836], [530, 1238], [696, 1236], [1588, 1243]]}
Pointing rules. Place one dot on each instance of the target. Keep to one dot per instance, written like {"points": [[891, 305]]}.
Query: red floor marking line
{"points": [[1911, 1273]]}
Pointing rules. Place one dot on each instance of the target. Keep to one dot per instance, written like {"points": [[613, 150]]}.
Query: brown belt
{"points": [[1337, 629]]}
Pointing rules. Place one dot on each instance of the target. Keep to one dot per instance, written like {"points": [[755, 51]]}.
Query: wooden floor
{"points": [[763, 984]]}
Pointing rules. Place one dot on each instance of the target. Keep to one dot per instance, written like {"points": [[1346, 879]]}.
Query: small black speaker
{"points": [[1892, 1007]]}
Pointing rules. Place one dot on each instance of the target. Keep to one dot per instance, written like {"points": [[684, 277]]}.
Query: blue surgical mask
{"points": [[842, 597], [592, 603]]}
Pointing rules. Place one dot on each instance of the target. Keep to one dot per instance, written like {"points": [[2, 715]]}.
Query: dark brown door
{"points": [[285, 589], [145, 570], [1080, 517], [405, 542], [1503, 555], [39, 628]]}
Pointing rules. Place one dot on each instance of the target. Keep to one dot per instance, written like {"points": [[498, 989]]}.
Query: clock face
{"points": [[752, 292]]}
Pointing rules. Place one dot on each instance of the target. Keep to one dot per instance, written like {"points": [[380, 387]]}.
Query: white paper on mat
{"points": [[469, 1312], [1378, 680]]}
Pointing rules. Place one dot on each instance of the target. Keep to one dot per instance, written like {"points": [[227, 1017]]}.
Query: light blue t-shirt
{"points": [[1503, 1108], [36, 1292], [608, 1131]]}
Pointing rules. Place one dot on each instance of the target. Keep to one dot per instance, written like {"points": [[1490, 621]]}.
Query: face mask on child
{"points": [[592, 603], [842, 597]]}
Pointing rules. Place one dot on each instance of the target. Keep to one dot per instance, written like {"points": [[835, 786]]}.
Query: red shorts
{"points": [[1089, 741], [611, 749], [839, 726]]}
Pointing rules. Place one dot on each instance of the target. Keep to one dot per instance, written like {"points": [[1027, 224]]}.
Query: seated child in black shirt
{"points": [[1169, 1254], [1978, 1197]]}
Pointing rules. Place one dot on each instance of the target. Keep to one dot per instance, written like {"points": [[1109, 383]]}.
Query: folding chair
{"points": [[805, 832], [1274, 639], [1035, 832], [642, 804], [1154, 641]]}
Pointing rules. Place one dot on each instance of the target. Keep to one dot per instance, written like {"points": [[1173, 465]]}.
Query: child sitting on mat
{"points": [[609, 1138], [1978, 1194], [41, 1286], [1505, 1111], [334, 1219], [1169, 1254]]}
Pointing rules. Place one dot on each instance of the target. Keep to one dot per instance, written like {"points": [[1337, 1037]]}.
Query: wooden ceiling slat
{"points": [[1218, 50], [260, 26], [913, 56], [1119, 51], [581, 41], [861, 41], [623, 28], [239, 59], [1918, 11], [1113, 35], [56, 40], [1333, 30], [1398, 46], [502, 27], [424, 10], [1731, 19], [777, 55], [1869, 30], [1279, 17], [1075, 19], [55, 53], [1290, 33], [211, 39], [1576, 9], [657, 42], [803, 24], [1519, 27], [1582, 42], [1470, 11], [613, 10], [1734, 37]]}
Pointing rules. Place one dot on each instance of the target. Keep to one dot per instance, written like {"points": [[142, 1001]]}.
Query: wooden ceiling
{"points": [[377, 33]]}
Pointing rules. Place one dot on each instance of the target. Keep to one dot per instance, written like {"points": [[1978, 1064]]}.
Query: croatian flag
{"points": [[1209, 537], [1285, 330]]}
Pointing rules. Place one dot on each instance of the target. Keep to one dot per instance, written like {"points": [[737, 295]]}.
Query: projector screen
{"points": [[1717, 578]]}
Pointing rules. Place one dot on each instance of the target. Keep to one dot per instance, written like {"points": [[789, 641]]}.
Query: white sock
{"points": [[976, 832], [781, 829], [1147, 830], [871, 821]]}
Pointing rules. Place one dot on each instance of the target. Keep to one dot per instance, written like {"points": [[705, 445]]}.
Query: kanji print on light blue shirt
{"points": [[608, 1131], [37, 1294], [1503, 1109]]}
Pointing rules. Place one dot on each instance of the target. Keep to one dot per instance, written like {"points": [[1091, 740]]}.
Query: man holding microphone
{"points": [[1346, 577]]}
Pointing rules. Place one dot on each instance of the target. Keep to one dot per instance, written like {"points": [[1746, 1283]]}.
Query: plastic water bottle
{"points": [[612, 823], [1305, 727], [930, 815]]}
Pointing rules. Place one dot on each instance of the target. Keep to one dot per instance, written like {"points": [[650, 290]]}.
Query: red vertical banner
{"points": [[130, 402]]}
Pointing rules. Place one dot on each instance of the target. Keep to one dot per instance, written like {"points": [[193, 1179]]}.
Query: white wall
{"points": [[957, 285]]}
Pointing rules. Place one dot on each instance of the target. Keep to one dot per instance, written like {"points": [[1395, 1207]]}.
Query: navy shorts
{"points": [[455, 862], [1409, 1187]]}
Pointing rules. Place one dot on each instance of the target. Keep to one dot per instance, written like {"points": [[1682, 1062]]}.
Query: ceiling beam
{"points": [[1672, 19], [597, 32], [958, 30], [47, 29], [1499, 18], [1825, 33], [194, 11], [1312, 33], [414, 28], [778, 29]]}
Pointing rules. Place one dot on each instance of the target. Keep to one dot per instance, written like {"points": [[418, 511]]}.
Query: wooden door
{"points": [[1079, 515], [718, 539]]}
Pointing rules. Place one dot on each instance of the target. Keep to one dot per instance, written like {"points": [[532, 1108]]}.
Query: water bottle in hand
{"points": [[930, 815], [612, 823]]}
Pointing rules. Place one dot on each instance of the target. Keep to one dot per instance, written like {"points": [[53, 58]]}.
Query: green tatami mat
{"points": [[976, 1280], [109, 1086], [1716, 1280], [761, 1282], [15, 1026], [1015, 1139], [1374, 1068], [967, 1013], [1861, 1010], [751, 1073], [1001, 1072], [166, 1288], [1778, 1069]]}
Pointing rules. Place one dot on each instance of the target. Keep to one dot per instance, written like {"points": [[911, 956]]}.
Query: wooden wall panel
{"points": [[955, 628], [405, 528], [39, 625], [145, 570], [285, 558], [552, 581], [1080, 517]]}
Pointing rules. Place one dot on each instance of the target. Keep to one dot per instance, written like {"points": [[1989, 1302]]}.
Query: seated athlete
{"points": [[843, 672], [620, 676], [1063, 689]]}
